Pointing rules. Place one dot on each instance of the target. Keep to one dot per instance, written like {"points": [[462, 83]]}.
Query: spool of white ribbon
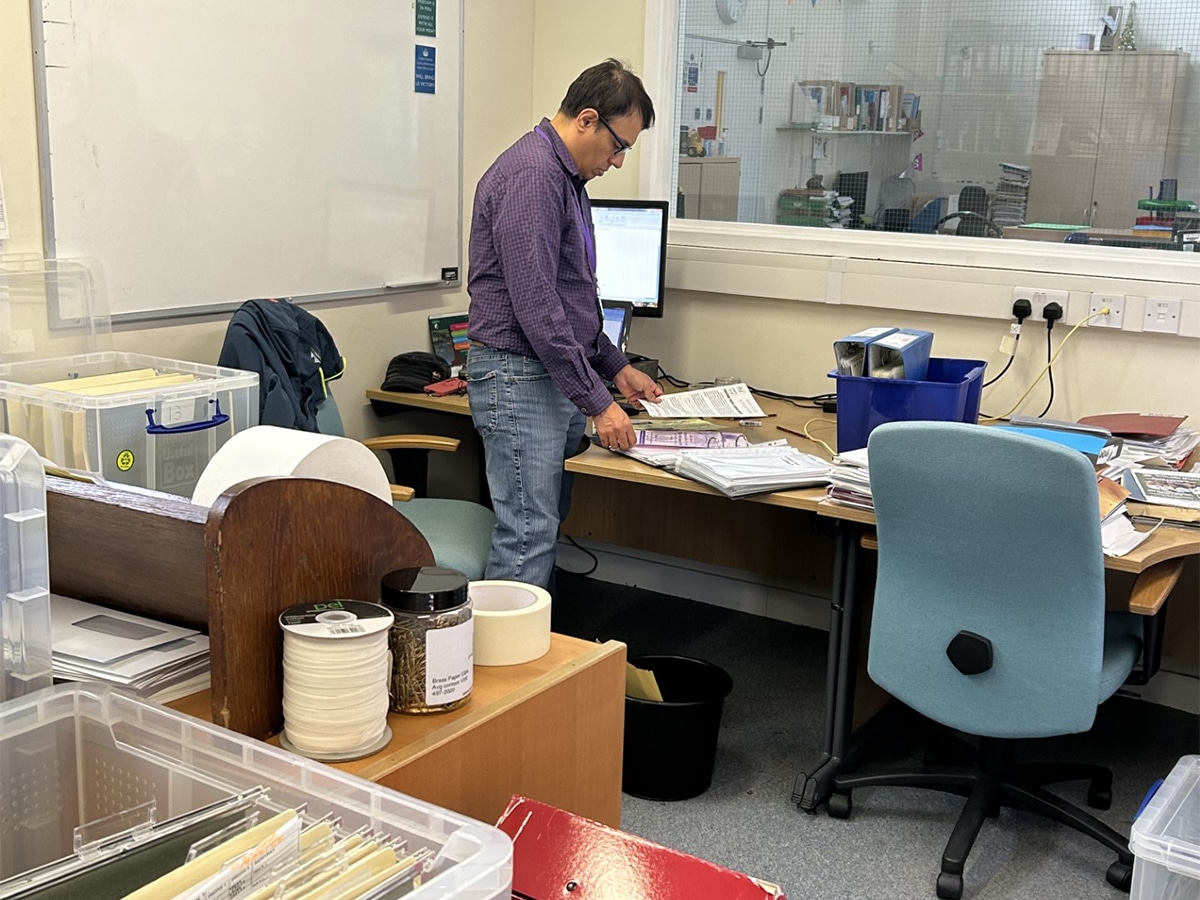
{"points": [[512, 622], [335, 676]]}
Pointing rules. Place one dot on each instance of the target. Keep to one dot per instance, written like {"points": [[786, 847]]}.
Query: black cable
{"points": [[1049, 374], [594, 558], [1002, 371]]}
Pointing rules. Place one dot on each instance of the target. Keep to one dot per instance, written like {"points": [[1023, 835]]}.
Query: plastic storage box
{"points": [[25, 601], [133, 419], [80, 760], [949, 393], [1165, 838]]}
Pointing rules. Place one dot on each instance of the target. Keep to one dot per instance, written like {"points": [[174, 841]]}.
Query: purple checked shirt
{"points": [[532, 268]]}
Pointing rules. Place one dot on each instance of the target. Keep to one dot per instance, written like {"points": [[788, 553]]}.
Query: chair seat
{"points": [[459, 532]]}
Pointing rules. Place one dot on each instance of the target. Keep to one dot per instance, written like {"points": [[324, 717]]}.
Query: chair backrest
{"points": [[972, 199], [997, 534]]}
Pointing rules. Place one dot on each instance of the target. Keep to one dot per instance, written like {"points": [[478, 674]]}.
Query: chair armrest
{"points": [[402, 494], [412, 442], [1153, 586]]}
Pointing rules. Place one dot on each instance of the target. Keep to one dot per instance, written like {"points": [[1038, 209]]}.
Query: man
{"points": [[538, 356]]}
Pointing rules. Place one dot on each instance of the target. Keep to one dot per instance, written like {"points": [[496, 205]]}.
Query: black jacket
{"points": [[293, 354]]}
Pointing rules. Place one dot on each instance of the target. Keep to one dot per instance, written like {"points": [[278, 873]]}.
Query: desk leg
{"points": [[814, 784]]}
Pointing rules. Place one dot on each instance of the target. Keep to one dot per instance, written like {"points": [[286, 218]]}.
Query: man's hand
{"points": [[637, 385], [613, 428]]}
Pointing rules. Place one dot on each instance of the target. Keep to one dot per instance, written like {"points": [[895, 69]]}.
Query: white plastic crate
{"points": [[156, 429], [74, 755], [1165, 838], [25, 575]]}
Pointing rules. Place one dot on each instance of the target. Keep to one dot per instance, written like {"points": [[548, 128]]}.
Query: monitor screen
{"points": [[616, 322], [631, 252]]}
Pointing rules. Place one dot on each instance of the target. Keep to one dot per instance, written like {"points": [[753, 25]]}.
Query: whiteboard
{"points": [[206, 153]]}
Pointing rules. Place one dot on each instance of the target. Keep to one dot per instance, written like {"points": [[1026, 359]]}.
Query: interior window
{"points": [[1062, 121]]}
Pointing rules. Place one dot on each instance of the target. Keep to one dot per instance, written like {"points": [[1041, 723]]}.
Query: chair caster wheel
{"points": [[1120, 876], [839, 806], [949, 887], [1099, 797]]}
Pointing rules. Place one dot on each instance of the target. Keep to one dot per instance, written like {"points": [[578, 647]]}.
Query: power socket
{"points": [[1038, 298], [1114, 303]]}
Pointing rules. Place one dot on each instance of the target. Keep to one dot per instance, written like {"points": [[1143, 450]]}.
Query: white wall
{"points": [[508, 87]]}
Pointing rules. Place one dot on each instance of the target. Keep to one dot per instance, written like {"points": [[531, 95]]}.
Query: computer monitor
{"points": [[631, 252]]}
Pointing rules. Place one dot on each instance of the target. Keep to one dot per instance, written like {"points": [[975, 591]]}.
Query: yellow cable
{"points": [[1046, 368], [828, 449]]}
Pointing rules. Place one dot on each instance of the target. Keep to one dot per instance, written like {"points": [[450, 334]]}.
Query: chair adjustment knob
{"points": [[970, 653]]}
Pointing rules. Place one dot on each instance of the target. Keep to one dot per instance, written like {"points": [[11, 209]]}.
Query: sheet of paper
{"points": [[726, 401], [101, 635], [1119, 537]]}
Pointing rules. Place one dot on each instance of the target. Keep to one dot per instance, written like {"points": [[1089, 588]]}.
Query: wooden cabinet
{"points": [[1108, 128], [709, 185]]}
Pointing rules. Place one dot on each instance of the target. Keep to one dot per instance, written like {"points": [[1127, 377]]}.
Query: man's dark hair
{"points": [[612, 90]]}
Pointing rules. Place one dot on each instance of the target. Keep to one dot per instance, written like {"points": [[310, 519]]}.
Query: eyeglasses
{"points": [[622, 147]]}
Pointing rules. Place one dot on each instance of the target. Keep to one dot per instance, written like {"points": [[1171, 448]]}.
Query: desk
{"points": [[620, 501], [849, 726], [551, 729]]}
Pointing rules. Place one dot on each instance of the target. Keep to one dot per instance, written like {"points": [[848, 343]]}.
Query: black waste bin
{"points": [[670, 747]]}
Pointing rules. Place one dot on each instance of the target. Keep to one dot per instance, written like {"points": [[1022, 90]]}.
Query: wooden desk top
{"points": [[496, 689], [602, 463], [456, 403]]}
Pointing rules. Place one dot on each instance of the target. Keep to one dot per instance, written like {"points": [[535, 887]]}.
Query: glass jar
{"points": [[431, 639]]}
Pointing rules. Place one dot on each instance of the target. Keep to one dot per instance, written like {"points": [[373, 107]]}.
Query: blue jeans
{"points": [[528, 428]]}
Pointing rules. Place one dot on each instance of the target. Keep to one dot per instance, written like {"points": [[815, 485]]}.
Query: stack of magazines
{"points": [[153, 660]]}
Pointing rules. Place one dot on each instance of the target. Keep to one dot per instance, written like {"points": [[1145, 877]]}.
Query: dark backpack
{"points": [[410, 372]]}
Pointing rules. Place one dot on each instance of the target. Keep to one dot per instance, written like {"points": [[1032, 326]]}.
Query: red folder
{"points": [[1151, 425], [561, 856]]}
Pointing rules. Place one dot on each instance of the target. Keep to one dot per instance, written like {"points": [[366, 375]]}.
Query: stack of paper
{"points": [[1011, 195], [850, 480], [774, 466], [660, 447], [156, 661], [1150, 439]]}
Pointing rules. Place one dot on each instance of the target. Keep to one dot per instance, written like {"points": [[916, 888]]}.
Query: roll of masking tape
{"points": [[266, 451], [512, 622]]}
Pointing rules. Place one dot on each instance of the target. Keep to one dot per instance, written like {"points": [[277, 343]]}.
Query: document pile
{"points": [[1159, 441], [850, 480], [156, 661], [739, 472], [660, 447]]}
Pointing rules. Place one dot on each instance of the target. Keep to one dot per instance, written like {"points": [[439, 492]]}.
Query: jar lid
{"points": [[423, 589]]}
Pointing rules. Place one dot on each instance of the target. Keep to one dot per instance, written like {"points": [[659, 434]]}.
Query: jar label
{"points": [[449, 663]]}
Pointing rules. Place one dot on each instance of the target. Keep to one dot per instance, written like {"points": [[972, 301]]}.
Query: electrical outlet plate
{"points": [[1038, 298], [1162, 316], [1114, 303]]}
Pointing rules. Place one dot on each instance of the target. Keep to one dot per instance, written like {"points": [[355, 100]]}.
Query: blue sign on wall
{"points": [[426, 70]]}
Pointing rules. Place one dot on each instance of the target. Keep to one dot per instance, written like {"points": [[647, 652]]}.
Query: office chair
{"points": [[459, 532], [989, 619], [972, 214], [293, 353]]}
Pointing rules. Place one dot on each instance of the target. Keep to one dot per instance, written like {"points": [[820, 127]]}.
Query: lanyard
{"points": [[589, 242]]}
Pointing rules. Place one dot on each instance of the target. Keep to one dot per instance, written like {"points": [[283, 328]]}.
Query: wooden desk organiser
{"points": [[265, 545]]}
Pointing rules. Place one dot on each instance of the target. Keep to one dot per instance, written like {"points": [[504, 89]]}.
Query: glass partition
{"points": [[1063, 121]]}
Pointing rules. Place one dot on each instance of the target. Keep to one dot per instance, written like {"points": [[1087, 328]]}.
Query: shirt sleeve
{"points": [[529, 221]]}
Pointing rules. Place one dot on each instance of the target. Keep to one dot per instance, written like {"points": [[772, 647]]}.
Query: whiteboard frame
{"points": [[42, 111]]}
